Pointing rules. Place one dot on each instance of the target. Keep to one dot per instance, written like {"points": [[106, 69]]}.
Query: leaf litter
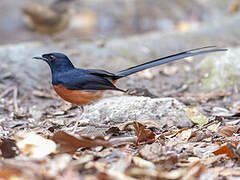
{"points": [[48, 149]]}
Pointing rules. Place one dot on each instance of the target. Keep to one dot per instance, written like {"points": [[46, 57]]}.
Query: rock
{"points": [[116, 110], [220, 71]]}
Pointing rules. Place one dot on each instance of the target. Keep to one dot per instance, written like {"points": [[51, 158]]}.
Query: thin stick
{"points": [[15, 92], [4, 93], [122, 140]]}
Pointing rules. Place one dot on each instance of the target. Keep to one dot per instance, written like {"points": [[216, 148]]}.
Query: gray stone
{"points": [[116, 110], [220, 70]]}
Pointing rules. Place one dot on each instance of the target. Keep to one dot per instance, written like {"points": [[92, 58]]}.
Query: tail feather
{"points": [[174, 57]]}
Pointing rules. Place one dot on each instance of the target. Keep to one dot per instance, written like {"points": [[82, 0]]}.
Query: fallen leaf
{"points": [[211, 160], [34, 145], [67, 106], [58, 164], [200, 135], [68, 174], [10, 174], [69, 144], [225, 149], [195, 116], [233, 122], [104, 176], [214, 127], [8, 148], [224, 171], [143, 134], [114, 131], [185, 134], [151, 152], [222, 112], [230, 172], [142, 163], [228, 131], [140, 173], [193, 159], [147, 123], [194, 171]]}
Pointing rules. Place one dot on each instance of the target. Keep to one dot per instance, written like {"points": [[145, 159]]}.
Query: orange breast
{"points": [[76, 96]]}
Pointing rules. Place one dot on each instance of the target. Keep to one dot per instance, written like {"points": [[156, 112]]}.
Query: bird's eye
{"points": [[52, 57]]}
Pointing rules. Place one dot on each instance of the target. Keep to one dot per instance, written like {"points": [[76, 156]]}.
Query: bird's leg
{"points": [[77, 121]]}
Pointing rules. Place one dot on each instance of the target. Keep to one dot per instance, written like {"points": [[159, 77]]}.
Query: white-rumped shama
{"points": [[83, 86]]}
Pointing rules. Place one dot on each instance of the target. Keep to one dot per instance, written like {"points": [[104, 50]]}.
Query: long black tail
{"points": [[174, 57]]}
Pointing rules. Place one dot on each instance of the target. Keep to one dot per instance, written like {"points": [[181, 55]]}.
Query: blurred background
{"points": [[37, 20]]}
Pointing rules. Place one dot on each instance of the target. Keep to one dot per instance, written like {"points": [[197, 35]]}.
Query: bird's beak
{"points": [[40, 58]]}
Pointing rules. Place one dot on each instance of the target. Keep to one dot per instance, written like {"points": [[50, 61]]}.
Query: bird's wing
{"points": [[88, 82], [103, 73]]}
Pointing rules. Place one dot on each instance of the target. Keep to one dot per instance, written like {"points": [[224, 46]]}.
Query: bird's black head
{"points": [[58, 62]]}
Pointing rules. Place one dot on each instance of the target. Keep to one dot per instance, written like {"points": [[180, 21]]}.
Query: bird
{"points": [[84, 86], [48, 19]]}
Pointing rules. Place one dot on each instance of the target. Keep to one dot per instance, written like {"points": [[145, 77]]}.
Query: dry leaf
{"points": [[8, 148], [194, 171], [69, 143], [151, 152], [195, 116], [67, 106], [143, 163], [230, 172], [143, 134], [185, 134], [222, 112], [228, 131], [224, 171], [140, 173], [58, 164], [68, 174], [211, 160], [214, 127], [34, 145], [225, 149], [11, 174]]}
